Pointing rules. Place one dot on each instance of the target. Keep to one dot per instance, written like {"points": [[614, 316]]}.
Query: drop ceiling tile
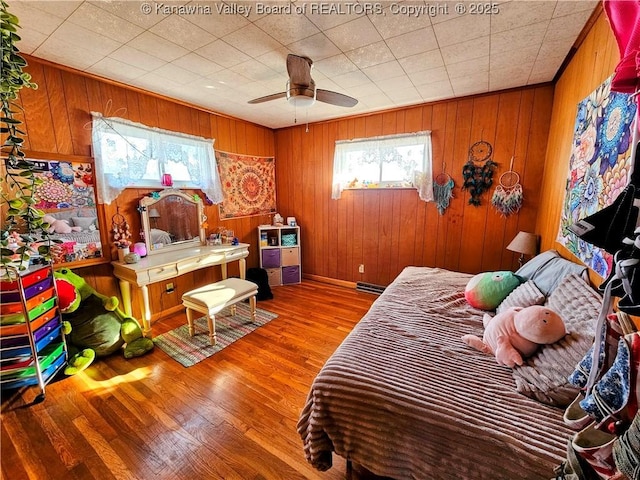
{"points": [[383, 71], [217, 24], [156, 83], [104, 23], [136, 58], [255, 71], [365, 90], [326, 21], [509, 77], [518, 38], [86, 39], [30, 40], [471, 85], [355, 34], [35, 20], [252, 41], [336, 65], [462, 28], [316, 47], [545, 71], [376, 101], [422, 61], [370, 55], [229, 78], [567, 26], [197, 64], [111, 68], [433, 75], [514, 57], [395, 83], [404, 96], [57, 49], [468, 50], [519, 14], [56, 8], [392, 23], [351, 79], [287, 29], [176, 73], [157, 46], [180, 31], [555, 48], [275, 59], [413, 43], [468, 67], [222, 53], [131, 11], [569, 7], [435, 91]]}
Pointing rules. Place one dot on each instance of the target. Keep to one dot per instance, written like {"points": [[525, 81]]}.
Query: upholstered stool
{"points": [[212, 298]]}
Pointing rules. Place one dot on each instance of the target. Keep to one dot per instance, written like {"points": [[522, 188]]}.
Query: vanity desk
{"points": [[172, 264]]}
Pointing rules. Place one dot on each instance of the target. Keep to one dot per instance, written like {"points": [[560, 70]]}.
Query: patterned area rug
{"points": [[189, 350]]}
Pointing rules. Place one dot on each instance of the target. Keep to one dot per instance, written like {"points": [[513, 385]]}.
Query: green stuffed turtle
{"points": [[98, 327]]}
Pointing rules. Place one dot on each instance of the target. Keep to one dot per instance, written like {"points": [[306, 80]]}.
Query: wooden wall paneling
{"points": [[75, 93], [148, 110], [477, 218], [329, 251], [426, 241], [133, 106], [37, 112], [508, 115], [438, 229], [395, 124], [113, 100], [58, 108]]}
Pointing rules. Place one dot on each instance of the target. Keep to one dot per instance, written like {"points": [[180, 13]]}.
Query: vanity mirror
{"points": [[172, 219]]}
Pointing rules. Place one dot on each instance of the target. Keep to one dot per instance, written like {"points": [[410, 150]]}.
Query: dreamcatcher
{"points": [[120, 230], [443, 190], [507, 197], [478, 178]]}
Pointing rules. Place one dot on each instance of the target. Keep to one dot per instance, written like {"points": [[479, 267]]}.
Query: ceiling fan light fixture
{"points": [[301, 101]]}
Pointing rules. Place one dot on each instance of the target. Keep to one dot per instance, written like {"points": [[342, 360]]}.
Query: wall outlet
{"points": [[361, 268], [170, 287]]}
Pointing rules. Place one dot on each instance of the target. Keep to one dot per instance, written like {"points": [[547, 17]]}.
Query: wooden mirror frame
{"points": [[145, 206], [100, 211]]}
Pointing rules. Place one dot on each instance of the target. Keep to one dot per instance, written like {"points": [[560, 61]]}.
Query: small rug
{"points": [[188, 351]]}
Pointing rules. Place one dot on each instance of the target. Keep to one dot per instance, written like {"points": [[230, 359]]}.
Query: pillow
{"points": [[486, 290], [524, 295], [548, 269], [83, 222], [544, 375]]}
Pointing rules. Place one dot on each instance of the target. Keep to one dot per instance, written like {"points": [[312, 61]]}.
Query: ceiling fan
{"points": [[301, 89]]}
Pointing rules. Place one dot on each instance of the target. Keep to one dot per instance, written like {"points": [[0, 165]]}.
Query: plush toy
{"points": [[59, 226], [486, 290], [517, 332], [98, 326]]}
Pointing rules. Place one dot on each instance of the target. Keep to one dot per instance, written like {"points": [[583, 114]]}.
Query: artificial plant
{"points": [[22, 221]]}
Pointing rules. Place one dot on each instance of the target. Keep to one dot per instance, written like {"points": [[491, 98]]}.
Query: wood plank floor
{"points": [[232, 416]]}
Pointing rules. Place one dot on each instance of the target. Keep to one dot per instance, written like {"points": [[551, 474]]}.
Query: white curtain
{"points": [[420, 170], [129, 154]]}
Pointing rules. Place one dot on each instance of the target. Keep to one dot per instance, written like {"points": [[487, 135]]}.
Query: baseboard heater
{"points": [[370, 288]]}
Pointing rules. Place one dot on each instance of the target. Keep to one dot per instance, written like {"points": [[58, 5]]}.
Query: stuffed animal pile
{"points": [[98, 326], [59, 226]]}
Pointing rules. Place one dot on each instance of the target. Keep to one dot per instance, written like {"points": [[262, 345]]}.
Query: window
{"points": [[400, 161], [128, 154]]}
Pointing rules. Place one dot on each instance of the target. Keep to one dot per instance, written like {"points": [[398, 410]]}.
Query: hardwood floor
{"points": [[232, 416]]}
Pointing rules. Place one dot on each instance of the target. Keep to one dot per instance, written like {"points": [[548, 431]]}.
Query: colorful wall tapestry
{"points": [[248, 183], [598, 168], [64, 184]]}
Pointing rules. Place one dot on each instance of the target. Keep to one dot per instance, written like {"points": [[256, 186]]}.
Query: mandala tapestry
{"points": [[248, 183], [598, 168]]}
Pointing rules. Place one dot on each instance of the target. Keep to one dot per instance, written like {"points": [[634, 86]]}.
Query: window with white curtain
{"points": [[129, 154], [395, 161]]}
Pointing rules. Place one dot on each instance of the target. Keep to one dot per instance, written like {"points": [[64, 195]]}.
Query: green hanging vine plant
{"points": [[23, 225]]}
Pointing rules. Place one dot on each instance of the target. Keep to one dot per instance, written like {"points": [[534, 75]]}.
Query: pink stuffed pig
{"points": [[517, 332]]}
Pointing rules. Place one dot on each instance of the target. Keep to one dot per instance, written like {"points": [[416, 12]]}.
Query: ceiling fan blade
{"points": [[299, 69], [267, 98], [335, 98]]}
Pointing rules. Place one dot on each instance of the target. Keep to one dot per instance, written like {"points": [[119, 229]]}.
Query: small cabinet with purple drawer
{"points": [[280, 253], [32, 344]]}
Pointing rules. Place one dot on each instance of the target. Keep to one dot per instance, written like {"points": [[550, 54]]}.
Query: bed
{"points": [[403, 397]]}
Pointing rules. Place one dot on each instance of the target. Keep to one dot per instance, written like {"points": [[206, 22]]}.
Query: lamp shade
{"points": [[153, 213], [524, 243]]}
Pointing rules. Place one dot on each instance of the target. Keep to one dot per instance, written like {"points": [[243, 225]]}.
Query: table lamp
{"points": [[524, 243], [154, 215]]}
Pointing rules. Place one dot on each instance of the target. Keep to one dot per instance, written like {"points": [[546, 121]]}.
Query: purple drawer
{"points": [[291, 274], [271, 258], [29, 292], [37, 335]]}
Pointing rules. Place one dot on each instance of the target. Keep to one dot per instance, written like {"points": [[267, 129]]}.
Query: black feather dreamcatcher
{"points": [[477, 173]]}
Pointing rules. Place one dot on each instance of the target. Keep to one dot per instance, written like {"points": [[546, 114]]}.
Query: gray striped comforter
{"points": [[405, 398]]}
